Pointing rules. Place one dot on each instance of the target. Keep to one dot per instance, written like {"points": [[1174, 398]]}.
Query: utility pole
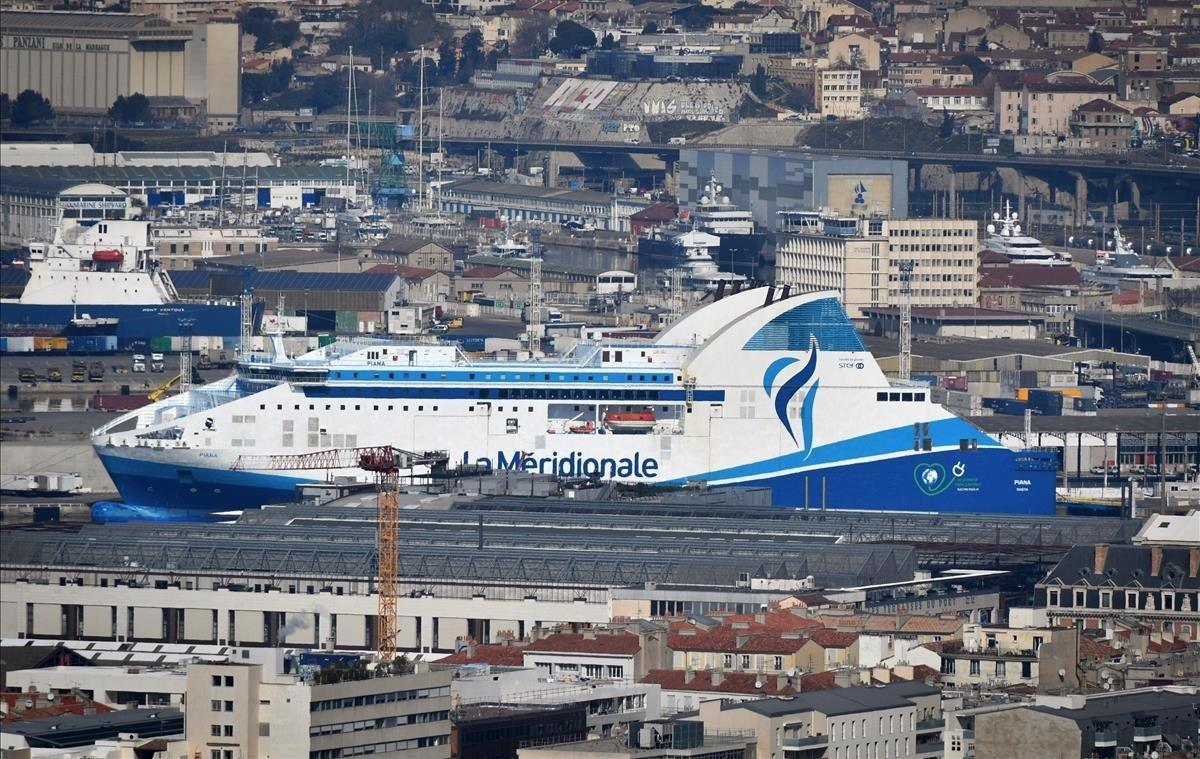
{"points": [[906, 270], [185, 356]]}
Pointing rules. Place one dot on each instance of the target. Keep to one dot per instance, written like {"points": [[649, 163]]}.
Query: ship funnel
{"points": [[770, 295]]}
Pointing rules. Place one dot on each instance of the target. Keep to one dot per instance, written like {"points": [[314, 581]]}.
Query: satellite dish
{"points": [[1014, 216], [991, 229], [1189, 251], [1091, 242], [1169, 250], [995, 216], [1071, 240], [50, 696], [1016, 229], [725, 199], [758, 683]]}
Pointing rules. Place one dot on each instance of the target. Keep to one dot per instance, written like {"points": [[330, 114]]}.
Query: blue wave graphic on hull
{"points": [[789, 389]]}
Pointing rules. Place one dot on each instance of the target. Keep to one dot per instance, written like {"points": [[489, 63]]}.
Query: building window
{"points": [[1131, 599], [778, 663], [1106, 599], [215, 731], [216, 681], [1000, 669], [616, 672], [216, 706], [1168, 601], [727, 661], [974, 666], [228, 730], [745, 661], [1052, 597], [1080, 598]]}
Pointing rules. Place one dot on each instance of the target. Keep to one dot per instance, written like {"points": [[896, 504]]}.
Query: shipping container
{"points": [[1045, 402], [20, 345], [346, 321], [955, 383], [1005, 406], [160, 344], [118, 402]]}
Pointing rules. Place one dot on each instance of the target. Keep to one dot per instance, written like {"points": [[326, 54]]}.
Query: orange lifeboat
{"points": [[108, 256], [630, 422]]}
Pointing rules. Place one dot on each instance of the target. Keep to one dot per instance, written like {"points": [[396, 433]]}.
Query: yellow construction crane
{"points": [[157, 393], [385, 463]]}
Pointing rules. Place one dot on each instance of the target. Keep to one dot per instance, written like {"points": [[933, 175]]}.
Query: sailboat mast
{"points": [[421, 135], [349, 116]]}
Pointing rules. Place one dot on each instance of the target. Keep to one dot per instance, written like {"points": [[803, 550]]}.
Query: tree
{"points": [[946, 130], [472, 47], [382, 28], [447, 60], [570, 38], [1095, 42], [758, 83], [134, 109], [268, 30], [608, 43], [983, 44], [650, 28], [531, 37], [5, 106], [30, 108]]}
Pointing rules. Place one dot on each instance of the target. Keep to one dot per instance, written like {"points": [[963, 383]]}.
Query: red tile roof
{"points": [[497, 655], [832, 638], [62, 705], [406, 272], [1028, 275], [484, 272], [740, 682], [602, 643]]}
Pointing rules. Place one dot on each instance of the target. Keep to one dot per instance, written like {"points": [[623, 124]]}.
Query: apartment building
{"points": [[895, 720], [839, 93], [861, 259], [1098, 586], [1047, 107], [236, 709], [1063, 727], [998, 656]]}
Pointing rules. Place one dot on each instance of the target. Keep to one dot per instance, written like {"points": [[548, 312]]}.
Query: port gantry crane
{"points": [[385, 463]]}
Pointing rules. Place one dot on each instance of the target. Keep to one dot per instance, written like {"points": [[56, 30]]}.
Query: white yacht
{"points": [[697, 263], [1006, 238], [1121, 263]]}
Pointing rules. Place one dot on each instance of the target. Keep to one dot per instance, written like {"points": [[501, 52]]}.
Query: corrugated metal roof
{"points": [[199, 279], [126, 174], [93, 24]]}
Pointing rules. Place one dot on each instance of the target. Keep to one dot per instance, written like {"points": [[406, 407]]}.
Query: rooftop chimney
{"points": [[717, 676], [1155, 560], [1101, 557]]}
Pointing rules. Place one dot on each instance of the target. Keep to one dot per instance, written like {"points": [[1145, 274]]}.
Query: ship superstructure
{"points": [[108, 269], [748, 390]]}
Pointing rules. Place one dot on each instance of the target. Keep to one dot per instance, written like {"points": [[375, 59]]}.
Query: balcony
{"points": [[811, 741], [1147, 734], [929, 750], [928, 725], [1105, 739]]}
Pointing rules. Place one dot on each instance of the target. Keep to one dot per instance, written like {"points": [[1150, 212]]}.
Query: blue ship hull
{"points": [[994, 481], [134, 322]]}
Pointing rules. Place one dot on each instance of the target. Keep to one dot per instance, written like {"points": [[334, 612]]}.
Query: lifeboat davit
{"points": [[108, 256], [629, 422]]}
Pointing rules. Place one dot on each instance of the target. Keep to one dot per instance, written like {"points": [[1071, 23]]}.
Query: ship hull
{"points": [[133, 322], [740, 254], [993, 480]]}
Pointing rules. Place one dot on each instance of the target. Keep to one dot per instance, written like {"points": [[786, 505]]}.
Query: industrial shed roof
{"points": [[291, 281]]}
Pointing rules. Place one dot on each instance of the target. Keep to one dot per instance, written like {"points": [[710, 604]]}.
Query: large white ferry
{"points": [[748, 390]]}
